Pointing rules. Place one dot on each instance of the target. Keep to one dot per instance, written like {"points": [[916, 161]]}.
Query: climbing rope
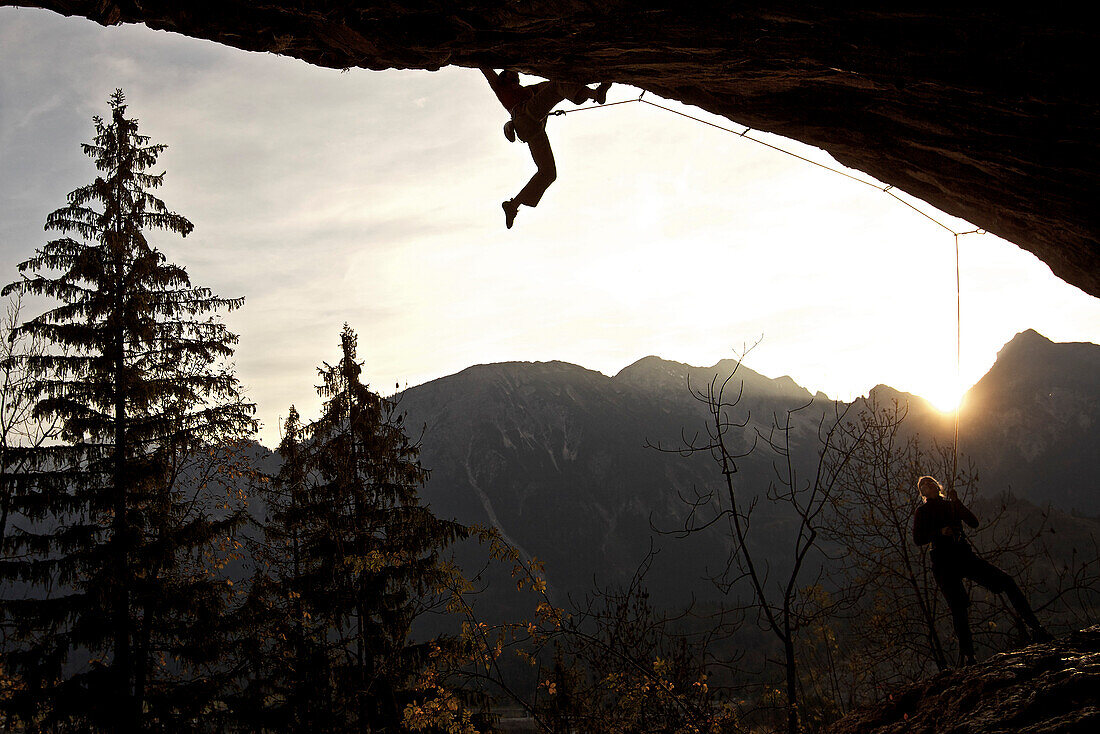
{"points": [[558, 113], [958, 365], [888, 189]]}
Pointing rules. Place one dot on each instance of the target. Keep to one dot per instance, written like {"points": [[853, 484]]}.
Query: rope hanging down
{"points": [[958, 363], [888, 189]]}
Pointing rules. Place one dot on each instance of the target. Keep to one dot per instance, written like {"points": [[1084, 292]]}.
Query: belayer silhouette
{"points": [[939, 521], [529, 105]]}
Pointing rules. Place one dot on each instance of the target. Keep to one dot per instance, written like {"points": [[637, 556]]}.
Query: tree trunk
{"points": [[792, 678]]}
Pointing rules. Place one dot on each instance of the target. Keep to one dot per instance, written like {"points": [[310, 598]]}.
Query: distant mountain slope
{"points": [[1032, 423], [555, 455]]}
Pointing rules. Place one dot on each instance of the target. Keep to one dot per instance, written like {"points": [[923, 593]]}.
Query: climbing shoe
{"points": [[511, 208], [510, 131], [601, 92]]}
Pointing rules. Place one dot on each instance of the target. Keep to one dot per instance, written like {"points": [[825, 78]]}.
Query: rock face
{"points": [[981, 113], [1048, 688]]}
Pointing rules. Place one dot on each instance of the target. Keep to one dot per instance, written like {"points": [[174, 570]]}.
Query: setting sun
{"points": [[946, 395]]}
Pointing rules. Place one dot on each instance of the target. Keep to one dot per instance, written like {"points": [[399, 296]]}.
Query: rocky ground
{"points": [[1039, 689]]}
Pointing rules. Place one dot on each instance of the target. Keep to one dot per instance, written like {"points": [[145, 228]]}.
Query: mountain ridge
{"points": [[1024, 345], [1028, 422], [560, 458]]}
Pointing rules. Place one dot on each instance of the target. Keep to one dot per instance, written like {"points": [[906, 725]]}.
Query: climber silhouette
{"points": [[529, 106], [939, 521]]}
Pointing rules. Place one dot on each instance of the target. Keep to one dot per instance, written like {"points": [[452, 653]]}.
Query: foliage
{"points": [[619, 665], [285, 669], [612, 664], [20, 430]]}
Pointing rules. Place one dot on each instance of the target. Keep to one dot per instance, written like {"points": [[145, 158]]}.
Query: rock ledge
{"points": [[1039, 689]]}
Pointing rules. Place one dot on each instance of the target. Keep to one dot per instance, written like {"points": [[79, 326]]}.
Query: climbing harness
{"points": [[888, 189]]}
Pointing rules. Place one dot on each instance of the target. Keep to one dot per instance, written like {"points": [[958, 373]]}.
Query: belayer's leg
{"points": [[960, 617], [1019, 601], [999, 582], [958, 601]]}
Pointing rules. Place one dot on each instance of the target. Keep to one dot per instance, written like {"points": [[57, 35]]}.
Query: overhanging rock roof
{"points": [[981, 113]]}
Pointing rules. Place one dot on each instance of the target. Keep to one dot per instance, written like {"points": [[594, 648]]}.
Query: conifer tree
{"points": [[110, 539], [284, 647], [373, 550]]}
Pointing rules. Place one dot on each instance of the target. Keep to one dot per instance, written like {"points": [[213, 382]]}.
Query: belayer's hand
{"points": [[952, 494]]}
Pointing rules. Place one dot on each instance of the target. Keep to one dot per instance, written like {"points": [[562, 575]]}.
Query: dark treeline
{"points": [[153, 579], [125, 493]]}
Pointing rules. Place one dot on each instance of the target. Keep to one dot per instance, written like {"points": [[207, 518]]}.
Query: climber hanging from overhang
{"points": [[529, 105]]}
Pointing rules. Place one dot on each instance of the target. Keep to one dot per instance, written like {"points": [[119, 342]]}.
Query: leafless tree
{"points": [[899, 631], [780, 587], [20, 428]]}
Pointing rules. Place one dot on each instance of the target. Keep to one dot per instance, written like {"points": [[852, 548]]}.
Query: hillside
{"points": [[561, 460]]}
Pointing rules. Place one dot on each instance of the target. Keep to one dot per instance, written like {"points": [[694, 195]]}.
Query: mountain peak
{"points": [[884, 396], [553, 367], [654, 373], [1031, 356], [1030, 334], [1025, 341], [787, 382], [651, 362], [657, 375]]}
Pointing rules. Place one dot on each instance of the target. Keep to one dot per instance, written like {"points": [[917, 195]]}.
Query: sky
{"points": [[373, 198]]}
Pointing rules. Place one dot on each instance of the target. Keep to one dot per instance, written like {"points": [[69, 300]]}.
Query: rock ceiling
{"points": [[983, 114]]}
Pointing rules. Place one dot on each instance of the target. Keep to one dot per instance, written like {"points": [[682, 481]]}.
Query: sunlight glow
{"points": [[373, 198], [945, 396]]}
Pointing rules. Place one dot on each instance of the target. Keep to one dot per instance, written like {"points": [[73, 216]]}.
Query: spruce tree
{"points": [[111, 540], [285, 649], [372, 548]]}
